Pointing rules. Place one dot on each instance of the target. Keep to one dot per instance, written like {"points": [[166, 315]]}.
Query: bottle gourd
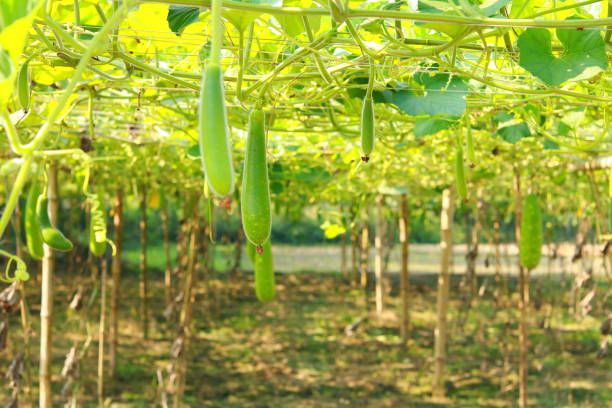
{"points": [[33, 234], [97, 225], [530, 247], [255, 199], [265, 287], [215, 148], [367, 128], [50, 235]]}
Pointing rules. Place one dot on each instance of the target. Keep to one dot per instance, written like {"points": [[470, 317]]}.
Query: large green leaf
{"points": [[514, 133], [429, 126], [441, 95], [180, 17], [510, 129], [470, 8], [584, 55], [241, 19]]}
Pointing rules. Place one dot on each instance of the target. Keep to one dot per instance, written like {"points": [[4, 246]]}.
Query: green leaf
{"points": [[292, 25], [584, 55], [276, 187], [241, 19], [385, 96], [180, 17], [502, 117], [514, 133], [470, 8], [562, 128], [429, 126], [491, 7], [549, 144], [442, 95], [193, 152]]}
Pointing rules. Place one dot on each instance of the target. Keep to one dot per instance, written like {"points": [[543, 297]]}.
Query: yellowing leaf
{"points": [[45, 76], [12, 41]]}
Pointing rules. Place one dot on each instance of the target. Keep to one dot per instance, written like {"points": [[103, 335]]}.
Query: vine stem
{"points": [[398, 15], [217, 31], [267, 80], [22, 177], [11, 133], [371, 80], [561, 8]]}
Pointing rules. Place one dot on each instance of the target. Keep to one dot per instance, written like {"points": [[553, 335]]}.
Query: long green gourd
{"points": [[215, 147], [367, 128], [33, 234], [470, 143], [51, 235], [97, 225], [460, 173], [265, 286], [255, 200], [23, 86], [530, 246]]}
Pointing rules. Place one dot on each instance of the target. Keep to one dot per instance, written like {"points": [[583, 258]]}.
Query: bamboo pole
{"points": [[166, 238], [24, 310], [143, 263], [523, 297], [115, 279], [378, 259], [446, 245], [46, 302], [343, 257], [404, 272], [187, 309], [365, 251], [354, 257], [102, 331]]}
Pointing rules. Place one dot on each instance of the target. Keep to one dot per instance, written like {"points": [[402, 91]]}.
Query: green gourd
{"points": [[51, 235], [265, 287], [215, 148], [97, 225], [530, 246], [33, 234], [23, 86], [367, 128], [460, 174], [255, 200], [471, 156]]}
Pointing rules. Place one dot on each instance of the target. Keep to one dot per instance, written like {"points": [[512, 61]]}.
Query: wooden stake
{"points": [[116, 277], [46, 302], [404, 272], [446, 229]]}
